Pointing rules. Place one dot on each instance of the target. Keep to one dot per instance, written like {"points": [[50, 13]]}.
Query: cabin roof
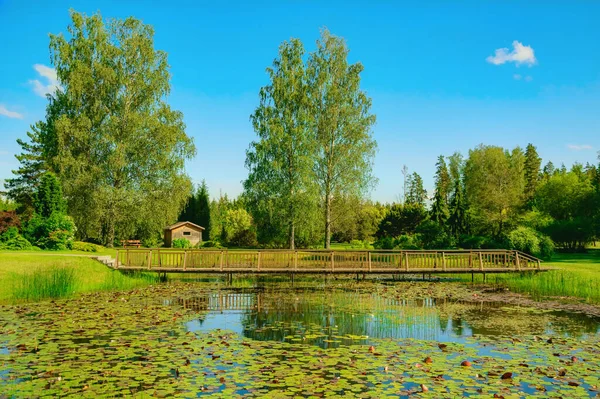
{"points": [[179, 224]]}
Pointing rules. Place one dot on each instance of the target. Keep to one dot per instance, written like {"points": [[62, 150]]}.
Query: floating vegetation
{"points": [[137, 343]]}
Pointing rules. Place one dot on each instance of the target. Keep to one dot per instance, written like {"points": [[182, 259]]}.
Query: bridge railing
{"points": [[377, 261]]}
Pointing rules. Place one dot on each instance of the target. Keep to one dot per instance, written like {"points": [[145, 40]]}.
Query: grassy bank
{"points": [[31, 276], [578, 276]]}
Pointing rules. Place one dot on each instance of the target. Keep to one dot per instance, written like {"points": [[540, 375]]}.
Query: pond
{"points": [[367, 340]]}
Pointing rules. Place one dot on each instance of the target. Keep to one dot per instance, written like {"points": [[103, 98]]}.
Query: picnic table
{"points": [[131, 243]]}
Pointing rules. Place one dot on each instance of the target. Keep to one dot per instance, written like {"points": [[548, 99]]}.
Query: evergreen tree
{"points": [[457, 222], [439, 207], [37, 156], [48, 197], [416, 192], [548, 171], [197, 210], [532, 173]]}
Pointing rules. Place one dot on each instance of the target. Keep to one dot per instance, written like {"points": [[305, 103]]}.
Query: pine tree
{"points": [[548, 171], [532, 173], [197, 210], [439, 207], [458, 211], [416, 192]]}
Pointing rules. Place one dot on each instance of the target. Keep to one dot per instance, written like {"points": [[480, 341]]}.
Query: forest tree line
{"points": [[107, 164]]}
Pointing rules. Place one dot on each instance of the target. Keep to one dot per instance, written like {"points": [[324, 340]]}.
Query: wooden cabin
{"points": [[188, 230]]}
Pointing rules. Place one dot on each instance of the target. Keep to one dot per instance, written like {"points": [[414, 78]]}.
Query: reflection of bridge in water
{"points": [[276, 315]]}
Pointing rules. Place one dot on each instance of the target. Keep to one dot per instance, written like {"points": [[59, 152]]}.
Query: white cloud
{"points": [[10, 114], [579, 147], [49, 74], [519, 55]]}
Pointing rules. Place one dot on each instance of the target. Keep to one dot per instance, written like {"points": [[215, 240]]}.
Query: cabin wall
{"points": [[189, 233]]}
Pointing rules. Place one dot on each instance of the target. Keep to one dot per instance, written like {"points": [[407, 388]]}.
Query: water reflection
{"points": [[333, 317]]}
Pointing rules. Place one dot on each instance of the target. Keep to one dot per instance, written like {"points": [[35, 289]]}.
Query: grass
{"points": [[577, 276], [30, 276]]}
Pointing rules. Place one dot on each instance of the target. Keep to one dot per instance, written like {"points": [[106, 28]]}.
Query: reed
{"points": [[53, 282]]}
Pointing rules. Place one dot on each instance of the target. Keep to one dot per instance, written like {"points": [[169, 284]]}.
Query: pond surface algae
{"points": [[328, 342]]}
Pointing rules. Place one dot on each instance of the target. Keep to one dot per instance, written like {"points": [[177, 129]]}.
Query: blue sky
{"points": [[442, 77]]}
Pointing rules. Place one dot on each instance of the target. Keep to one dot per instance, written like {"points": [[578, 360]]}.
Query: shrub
{"points": [[434, 236], [9, 219], [86, 246], [530, 241], [11, 239], [244, 238], [181, 243], [210, 244], [55, 232], [407, 241]]}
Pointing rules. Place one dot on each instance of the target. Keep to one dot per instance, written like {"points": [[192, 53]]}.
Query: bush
{"points": [[479, 242], [181, 243], [434, 236], [11, 239], [405, 241], [244, 238], [530, 241], [86, 247], [55, 232], [210, 244], [9, 219]]}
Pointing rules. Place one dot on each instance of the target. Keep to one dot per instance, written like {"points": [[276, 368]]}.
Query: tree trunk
{"points": [[110, 234], [327, 220], [292, 236]]}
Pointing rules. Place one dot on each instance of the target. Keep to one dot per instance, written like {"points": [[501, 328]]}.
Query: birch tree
{"points": [[341, 122]]}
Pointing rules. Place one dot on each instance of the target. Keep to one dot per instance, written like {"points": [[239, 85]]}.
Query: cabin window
{"points": [[187, 233]]}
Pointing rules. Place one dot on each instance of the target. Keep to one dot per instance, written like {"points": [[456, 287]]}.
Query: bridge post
{"points": [[296, 260], [150, 260], [184, 258], [221, 262], [369, 259], [480, 261], [258, 262], [406, 260], [518, 261], [444, 261], [117, 260], [332, 264]]}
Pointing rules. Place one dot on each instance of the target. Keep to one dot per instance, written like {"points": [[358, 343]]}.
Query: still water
{"points": [[329, 318]]}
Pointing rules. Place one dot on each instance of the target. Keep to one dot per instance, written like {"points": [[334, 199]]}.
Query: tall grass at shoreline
{"points": [[53, 282]]}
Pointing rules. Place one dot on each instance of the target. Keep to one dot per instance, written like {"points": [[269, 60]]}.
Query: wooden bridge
{"points": [[325, 261]]}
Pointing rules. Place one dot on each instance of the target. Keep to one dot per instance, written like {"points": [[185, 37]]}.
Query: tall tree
{"points": [[121, 147], [38, 154], [280, 162], [457, 221], [342, 124], [416, 192], [197, 210], [548, 171], [456, 165], [439, 207], [532, 172], [49, 197], [494, 182]]}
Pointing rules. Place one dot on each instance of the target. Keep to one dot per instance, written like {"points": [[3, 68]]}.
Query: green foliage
{"points": [[416, 193], [86, 247], [280, 163], [439, 208], [197, 210], [401, 219], [181, 243], [530, 241], [432, 235], [341, 124], [55, 232], [458, 219], [48, 197], [494, 184], [121, 148], [532, 172], [12, 240], [404, 241]]}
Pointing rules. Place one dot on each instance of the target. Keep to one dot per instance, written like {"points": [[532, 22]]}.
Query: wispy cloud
{"points": [[51, 85], [579, 147], [519, 55], [527, 78], [10, 114]]}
